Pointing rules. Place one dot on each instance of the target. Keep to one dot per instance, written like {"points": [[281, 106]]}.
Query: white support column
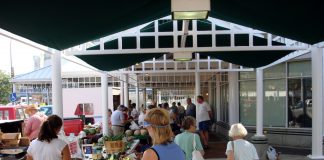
{"points": [[210, 93], [126, 92], [144, 97], [104, 102], [218, 79], [259, 140], [159, 100], [57, 84], [197, 84], [259, 107], [122, 89], [137, 97], [197, 77], [317, 100], [233, 107]]}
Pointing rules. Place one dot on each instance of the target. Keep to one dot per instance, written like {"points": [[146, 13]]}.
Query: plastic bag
{"points": [[271, 153], [196, 155], [134, 126]]}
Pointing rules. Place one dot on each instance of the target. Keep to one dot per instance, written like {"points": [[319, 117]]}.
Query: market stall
{"points": [[127, 146], [13, 146]]}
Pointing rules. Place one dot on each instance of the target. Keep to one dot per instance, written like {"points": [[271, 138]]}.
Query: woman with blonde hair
{"points": [[158, 125], [240, 149]]}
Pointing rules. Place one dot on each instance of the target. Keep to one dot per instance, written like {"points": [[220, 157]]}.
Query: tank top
{"points": [[46, 151], [169, 151]]}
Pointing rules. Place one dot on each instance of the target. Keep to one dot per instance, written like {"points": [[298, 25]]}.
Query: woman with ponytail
{"points": [[48, 146]]}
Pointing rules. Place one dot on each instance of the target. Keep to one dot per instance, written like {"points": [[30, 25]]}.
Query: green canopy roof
{"points": [[63, 24], [252, 59]]}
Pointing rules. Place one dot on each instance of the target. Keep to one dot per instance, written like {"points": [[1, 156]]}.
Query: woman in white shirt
{"points": [[141, 117], [240, 149], [48, 146]]}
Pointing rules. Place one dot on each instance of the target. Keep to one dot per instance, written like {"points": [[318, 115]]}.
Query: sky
{"points": [[22, 56]]}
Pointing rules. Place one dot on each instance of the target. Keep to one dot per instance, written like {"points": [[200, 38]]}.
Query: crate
{"points": [[11, 139], [114, 146]]}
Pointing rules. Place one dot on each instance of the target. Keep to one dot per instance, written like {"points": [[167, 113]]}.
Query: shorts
{"points": [[204, 125], [117, 130]]}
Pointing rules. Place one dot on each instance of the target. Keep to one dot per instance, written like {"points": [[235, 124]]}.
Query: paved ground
{"points": [[282, 157], [217, 147]]}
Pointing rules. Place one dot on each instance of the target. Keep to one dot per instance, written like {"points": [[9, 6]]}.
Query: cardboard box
{"points": [[11, 139], [24, 141]]}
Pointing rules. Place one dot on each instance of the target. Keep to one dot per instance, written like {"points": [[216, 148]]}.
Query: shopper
{"points": [[203, 115], [158, 126], [191, 108], [185, 139], [48, 146], [118, 121], [173, 118], [110, 132], [34, 122], [182, 112], [240, 148], [134, 112], [141, 117]]}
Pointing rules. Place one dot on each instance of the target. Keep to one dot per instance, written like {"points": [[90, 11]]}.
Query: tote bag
{"points": [[196, 155]]}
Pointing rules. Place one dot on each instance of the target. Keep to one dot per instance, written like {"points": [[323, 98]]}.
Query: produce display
{"points": [[129, 132], [137, 132], [124, 146], [113, 138]]}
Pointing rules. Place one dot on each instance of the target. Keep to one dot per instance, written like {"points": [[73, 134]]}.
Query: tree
{"points": [[5, 87]]}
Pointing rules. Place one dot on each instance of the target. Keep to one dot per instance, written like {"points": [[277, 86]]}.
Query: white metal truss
{"points": [[169, 66], [234, 29]]}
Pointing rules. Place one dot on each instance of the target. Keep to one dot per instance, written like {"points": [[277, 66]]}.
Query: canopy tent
{"points": [[61, 24], [252, 59]]}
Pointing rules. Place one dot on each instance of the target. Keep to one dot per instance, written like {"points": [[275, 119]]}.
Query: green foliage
{"points": [[113, 138], [5, 87]]}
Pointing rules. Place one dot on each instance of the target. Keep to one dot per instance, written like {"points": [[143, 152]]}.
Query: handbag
{"points": [[196, 155]]}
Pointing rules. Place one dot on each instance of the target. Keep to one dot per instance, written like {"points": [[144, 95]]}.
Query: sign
{"points": [[73, 147], [13, 97]]}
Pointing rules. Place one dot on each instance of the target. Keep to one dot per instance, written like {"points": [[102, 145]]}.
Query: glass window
{"points": [[247, 75], [92, 79], [81, 85], [299, 102], [81, 79], [277, 71], [248, 103], [98, 79], [274, 103], [300, 68]]}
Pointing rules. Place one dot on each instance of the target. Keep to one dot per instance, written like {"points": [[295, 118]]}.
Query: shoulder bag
{"points": [[196, 155]]}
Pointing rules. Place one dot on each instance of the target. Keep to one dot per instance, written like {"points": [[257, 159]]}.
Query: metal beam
{"points": [[188, 49]]}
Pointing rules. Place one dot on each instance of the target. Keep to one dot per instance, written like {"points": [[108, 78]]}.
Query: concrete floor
{"points": [[282, 157]]}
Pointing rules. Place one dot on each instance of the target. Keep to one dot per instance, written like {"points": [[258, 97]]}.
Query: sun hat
{"points": [[30, 108]]}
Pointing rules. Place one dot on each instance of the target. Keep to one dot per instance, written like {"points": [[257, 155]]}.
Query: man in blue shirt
{"points": [[191, 108]]}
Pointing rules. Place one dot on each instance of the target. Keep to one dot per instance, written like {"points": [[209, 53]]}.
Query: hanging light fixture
{"points": [[182, 56], [190, 9]]}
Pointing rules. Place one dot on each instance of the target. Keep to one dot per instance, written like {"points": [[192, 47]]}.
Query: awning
{"points": [[62, 24]]}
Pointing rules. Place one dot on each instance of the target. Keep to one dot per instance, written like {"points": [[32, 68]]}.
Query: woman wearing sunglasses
{"points": [[158, 126]]}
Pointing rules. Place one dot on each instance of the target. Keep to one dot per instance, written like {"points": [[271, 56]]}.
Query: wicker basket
{"points": [[114, 146]]}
